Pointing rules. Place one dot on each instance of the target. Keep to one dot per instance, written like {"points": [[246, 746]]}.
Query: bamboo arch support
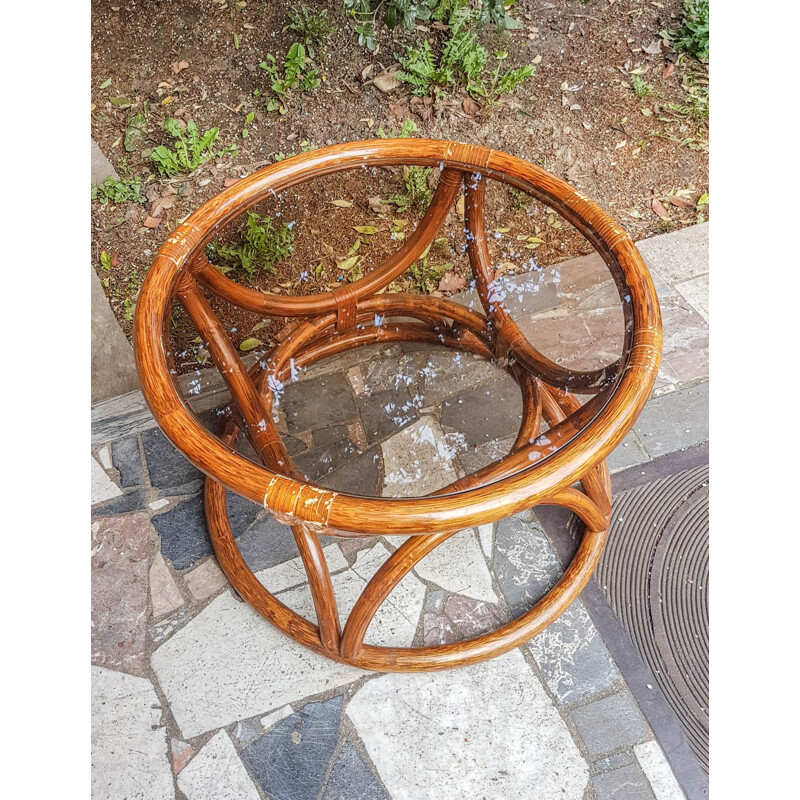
{"points": [[541, 468]]}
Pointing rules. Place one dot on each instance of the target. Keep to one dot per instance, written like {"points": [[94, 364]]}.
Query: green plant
{"points": [[416, 190], [191, 149], [262, 244], [424, 278], [519, 199], [408, 127], [692, 36], [641, 87], [463, 61], [410, 12], [305, 147], [116, 192], [297, 75], [696, 103], [312, 27]]}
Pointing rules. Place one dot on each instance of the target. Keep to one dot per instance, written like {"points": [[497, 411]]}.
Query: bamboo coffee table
{"points": [[541, 468]]}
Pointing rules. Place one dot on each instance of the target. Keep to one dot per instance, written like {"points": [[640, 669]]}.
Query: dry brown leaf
{"points": [[230, 182], [654, 48], [422, 106], [680, 202], [159, 204], [470, 106], [179, 66], [399, 110], [572, 172], [379, 206], [451, 282], [505, 266], [668, 70], [386, 80], [152, 222], [659, 210], [460, 206]]}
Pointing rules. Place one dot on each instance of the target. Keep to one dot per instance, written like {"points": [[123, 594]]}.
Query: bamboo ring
{"points": [[539, 470]]}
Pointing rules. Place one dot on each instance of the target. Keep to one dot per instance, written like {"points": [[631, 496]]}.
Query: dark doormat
{"points": [[649, 599]]}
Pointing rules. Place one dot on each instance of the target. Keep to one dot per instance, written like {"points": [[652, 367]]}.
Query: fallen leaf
{"points": [[572, 172], [378, 205], [668, 70], [451, 282], [341, 203], [230, 182], [621, 144], [654, 48], [367, 229], [460, 206], [399, 110], [659, 210], [680, 202], [537, 60], [159, 204], [348, 263], [250, 344], [135, 132], [152, 222], [179, 66], [505, 266], [470, 106], [386, 80], [422, 106]]}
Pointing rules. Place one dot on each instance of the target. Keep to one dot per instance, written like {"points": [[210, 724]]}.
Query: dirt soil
{"points": [[578, 117]]}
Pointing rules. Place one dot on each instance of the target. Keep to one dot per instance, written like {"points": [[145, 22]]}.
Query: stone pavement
{"points": [[195, 696]]}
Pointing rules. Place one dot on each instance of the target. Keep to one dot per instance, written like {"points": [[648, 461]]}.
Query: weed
{"points": [[409, 13], [463, 61], [692, 36], [312, 27], [408, 127], [415, 185], [519, 200], [262, 244], [424, 278], [191, 149], [695, 105], [116, 192], [641, 87], [297, 75], [305, 147]]}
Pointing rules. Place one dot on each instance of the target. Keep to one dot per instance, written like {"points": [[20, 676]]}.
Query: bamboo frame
{"points": [[540, 469]]}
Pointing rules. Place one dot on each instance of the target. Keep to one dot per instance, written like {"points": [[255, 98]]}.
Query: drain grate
{"points": [[654, 574]]}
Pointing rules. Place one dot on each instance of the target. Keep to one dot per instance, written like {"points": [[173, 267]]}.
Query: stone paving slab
{"points": [[553, 718]]}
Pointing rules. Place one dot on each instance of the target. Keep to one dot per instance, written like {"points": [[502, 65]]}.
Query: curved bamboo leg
{"points": [[509, 337], [268, 445]]}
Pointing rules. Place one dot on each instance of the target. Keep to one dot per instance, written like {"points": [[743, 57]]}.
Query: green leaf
{"points": [[250, 344], [348, 263], [368, 229], [121, 102], [106, 83], [703, 201]]}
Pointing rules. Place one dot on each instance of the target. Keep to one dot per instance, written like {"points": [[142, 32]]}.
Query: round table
{"points": [[563, 465]]}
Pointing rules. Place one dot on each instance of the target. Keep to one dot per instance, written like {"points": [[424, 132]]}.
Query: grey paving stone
{"points": [[267, 542], [487, 412], [352, 779], [685, 353], [612, 722], [474, 458], [695, 291], [572, 656], [447, 372], [674, 421], [183, 532], [247, 730], [293, 444], [132, 501], [322, 460], [329, 435], [101, 166], [384, 413], [627, 453], [290, 761], [472, 617], [677, 256], [525, 564], [359, 475], [613, 762], [434, 601], [437, 629], [113, 368], [168, 467], [390, 373], [625, 783], [127, 459], [318, 403]]}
